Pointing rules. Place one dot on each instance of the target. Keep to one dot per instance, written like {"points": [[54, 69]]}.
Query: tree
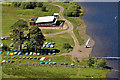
{"points": [[28, 5], [39, 4], [100, 63], [17, 32], [36, 37], [67, 46], [44, 8], [91, 61]]}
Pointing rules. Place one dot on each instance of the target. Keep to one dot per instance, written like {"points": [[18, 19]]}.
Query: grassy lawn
{"points": [[14, 71], [60, 40], [49, 31], [11, 14]]}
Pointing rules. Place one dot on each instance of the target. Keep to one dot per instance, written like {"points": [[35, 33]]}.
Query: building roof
{"points": [[45, 19]]}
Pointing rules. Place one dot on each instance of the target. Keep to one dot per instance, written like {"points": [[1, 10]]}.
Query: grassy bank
{"points": [[14, 71]]}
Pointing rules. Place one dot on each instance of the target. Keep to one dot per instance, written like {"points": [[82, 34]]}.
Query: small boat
{"points": [[87, 45], [115, 17]]}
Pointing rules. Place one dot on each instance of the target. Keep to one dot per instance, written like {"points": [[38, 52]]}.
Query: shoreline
{"points": [[83, 34]]}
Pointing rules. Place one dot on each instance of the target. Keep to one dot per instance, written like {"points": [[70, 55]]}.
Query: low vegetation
{"points": [[14, 71]]}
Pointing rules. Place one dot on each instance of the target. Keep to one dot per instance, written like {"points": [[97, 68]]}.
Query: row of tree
{"points": [[73, 10], [34, 37], [101, 63], [27, 5]]}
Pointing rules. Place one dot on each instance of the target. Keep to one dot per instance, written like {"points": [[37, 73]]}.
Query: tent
{"points": [[33, 43], [30, 53], [50, 62], [53, 50], [27, 57], [5, 38], [24, 57], [25, 49], [4, 53], [26, 53], [54, 53], [54, 62], [72, 64], [25, 43], [0, 52], [53, 43], [34, 54], [8, 53], [38, 53], [12, 61], [19, 53], [50, 50], [61, 63], [47, 46], [35, 57], [49, 43], [10, 49], [20, 57], [49, 53], [16, 57], [41, 62], [7, 61], [2, 38], [46, 59], [2, 45], [30, 57], [15, 53], [46, 42], [22, 49], [46, 63], [11, 45], [66, 63], [15, 49], [43, 45], [8, 57], [51, 46], [3, 61], [13, 57]]}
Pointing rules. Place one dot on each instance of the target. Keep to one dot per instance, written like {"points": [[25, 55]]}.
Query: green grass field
{"points": [[49, 31], [16, 71], [11, 14]]}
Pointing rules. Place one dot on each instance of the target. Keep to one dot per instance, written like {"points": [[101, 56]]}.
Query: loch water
{"points": [[101, 19]]}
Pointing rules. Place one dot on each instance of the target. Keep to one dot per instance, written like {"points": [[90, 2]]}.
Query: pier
{"points": [[109, 58]]}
